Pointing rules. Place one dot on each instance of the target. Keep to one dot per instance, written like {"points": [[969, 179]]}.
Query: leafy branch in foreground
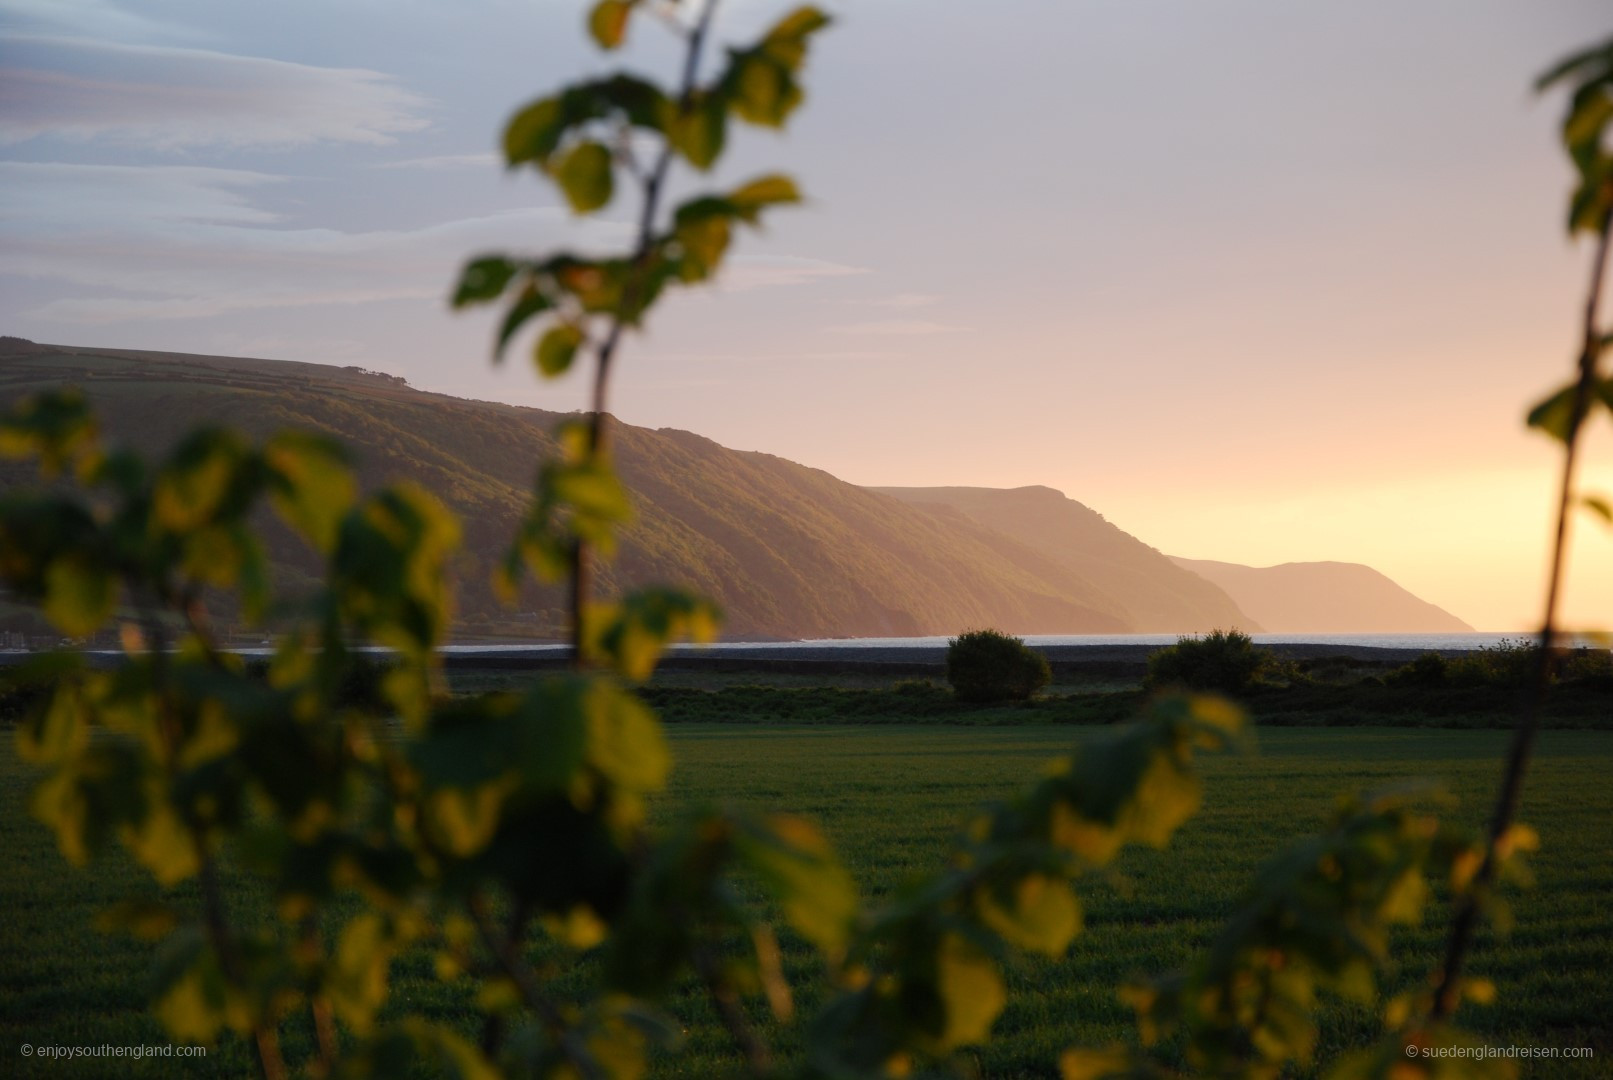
{"points": [[579, 138], [1585, 130], [507, 836]]}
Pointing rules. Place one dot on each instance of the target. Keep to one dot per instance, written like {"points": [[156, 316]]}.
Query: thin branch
{"points": [[1447, 994], [732, 1014], [319, 1007], [214, 917], [508, 955], [493, 1031], [598, 420]]}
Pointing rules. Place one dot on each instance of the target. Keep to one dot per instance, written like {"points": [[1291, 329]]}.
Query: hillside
{"points": [[1325, 597], [1158, 595], [789, 551]]}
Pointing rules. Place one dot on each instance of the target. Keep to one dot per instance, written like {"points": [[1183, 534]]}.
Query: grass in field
{"points": [[1344, 695], [891, 798]]}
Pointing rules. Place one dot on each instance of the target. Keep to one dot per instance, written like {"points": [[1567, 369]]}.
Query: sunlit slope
{"points": [[1325, 597], [787, 550], [1157, 595]]}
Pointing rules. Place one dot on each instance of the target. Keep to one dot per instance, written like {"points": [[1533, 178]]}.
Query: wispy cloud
{"points": [[896, 328], [175, 98], [906, 301], [177, 242], [760, 271], [45, 197], [89, 18], [750, 359], [445, 161]]}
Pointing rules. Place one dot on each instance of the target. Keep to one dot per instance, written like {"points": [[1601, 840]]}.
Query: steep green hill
{"points": [[787, 550], [1156, 594]]}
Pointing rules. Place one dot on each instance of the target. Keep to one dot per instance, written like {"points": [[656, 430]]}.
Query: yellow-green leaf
{"points": [[161, 842], [585, 176], [315, 485], [143, 919], [556, 349], [356, 983], [765, 191], [608, 22], [625, 740], [79, 596], [464, 820], [971, 992], [1036, 912], [799, 869]]}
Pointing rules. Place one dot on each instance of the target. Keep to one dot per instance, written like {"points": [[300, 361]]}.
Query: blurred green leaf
{"points": [[799, 870], [625, 741], [970, 990], [483, 279], [54, 731], [607, 22], [193, 1000], [55, 426], [536, 132], [556, 349], [313, 485], [80, 595], [1037, 912], [531, 302], [764, 191], [413, 1045], [585, 175], [632, 634], [357, 979], [143, 919], [211, 476], [699, 130], [1555, 414], [760, 84]]}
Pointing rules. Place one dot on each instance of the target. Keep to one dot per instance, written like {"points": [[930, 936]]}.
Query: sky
{"points": [[1258, 281]]}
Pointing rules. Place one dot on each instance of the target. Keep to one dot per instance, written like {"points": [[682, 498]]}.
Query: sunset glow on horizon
{"points": [[1260, 284]]}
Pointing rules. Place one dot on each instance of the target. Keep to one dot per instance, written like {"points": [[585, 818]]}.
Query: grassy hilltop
{"points": [[787, 550]]}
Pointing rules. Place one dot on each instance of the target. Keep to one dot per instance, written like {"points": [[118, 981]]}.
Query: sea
{"points": [[847, 648], [1475, 640]]}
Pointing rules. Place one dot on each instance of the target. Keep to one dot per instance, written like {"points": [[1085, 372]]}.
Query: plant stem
{"points": [[1447, 994], [731, 1013], [493, 1028], [319, 1008], [644, 247], [215, 920], [508, 955]]}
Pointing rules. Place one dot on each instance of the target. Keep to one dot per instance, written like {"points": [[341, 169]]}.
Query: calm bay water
{"points": [[1380, 641]]}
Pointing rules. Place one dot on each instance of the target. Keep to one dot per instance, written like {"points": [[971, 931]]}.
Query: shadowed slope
{"points": [[1156, 593], [787, 550]]}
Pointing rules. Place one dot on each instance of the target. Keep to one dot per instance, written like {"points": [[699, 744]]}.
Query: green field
{"points": [[891, 797]]}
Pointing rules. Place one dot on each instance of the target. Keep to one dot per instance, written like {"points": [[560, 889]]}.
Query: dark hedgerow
{"points": [[988, 665], [1225, 661]]}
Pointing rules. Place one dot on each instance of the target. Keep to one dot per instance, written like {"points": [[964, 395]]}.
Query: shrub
{"points": [[918, 690], [1223, 660], [1510, 662], [1429, 669], [1589, 667], [988, 665]]}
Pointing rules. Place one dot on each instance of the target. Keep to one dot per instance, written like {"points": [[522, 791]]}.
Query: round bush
{"points": [[987, 665], [1225, 661]]}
